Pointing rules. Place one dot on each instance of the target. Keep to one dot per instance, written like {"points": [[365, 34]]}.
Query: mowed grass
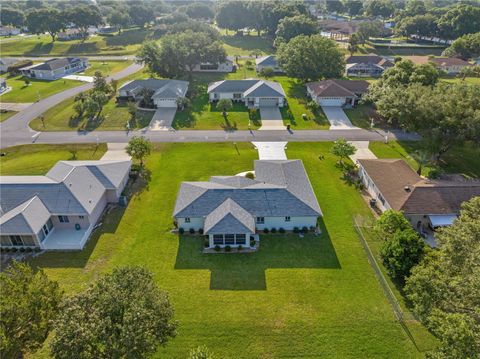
{"points": [[5, 115], [126, 43], [248, 45], [105, 67], [312, 297], [113, 118], [36, 90], [37, 159], [464, 159]]}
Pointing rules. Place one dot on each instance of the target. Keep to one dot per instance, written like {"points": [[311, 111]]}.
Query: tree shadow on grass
{"points": [[246, 271], [40, 49], [83, 47]]}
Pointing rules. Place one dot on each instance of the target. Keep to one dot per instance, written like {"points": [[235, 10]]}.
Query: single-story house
{"points": [[3, 85], [427, 204], [9, 31], [226, 66], [7, 62], [59, 210], [70, 34], [267, 62], [367, 65], [231, 210], [55, 68], [107, 29], [337, 92], [252, 92], [165, 92], [451, 65]]}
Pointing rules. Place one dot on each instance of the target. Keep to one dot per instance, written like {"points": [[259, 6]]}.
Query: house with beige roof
{"points": [[427, 204], [231, 210], [58, 211], [450, 65]]}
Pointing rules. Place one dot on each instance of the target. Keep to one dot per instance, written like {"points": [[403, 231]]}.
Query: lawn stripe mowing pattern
{"points": [[297, 297]]}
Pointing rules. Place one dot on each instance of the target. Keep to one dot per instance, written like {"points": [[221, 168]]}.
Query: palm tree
{"points": [[423, 158]]}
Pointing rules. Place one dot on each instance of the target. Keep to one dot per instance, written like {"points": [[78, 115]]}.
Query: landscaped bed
{"points": [[316, 295]]}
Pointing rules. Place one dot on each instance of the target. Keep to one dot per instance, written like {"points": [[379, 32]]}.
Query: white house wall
{"points": [[373, 190]]}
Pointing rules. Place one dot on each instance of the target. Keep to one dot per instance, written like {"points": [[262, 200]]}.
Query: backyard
{"points": [[125, 43], [248, 45], [315, 295]]}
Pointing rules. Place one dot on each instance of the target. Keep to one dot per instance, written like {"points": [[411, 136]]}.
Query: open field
{"points": [[6, 115], [315, 295], [37, 159], [36, 90], [460, 159], [249, 45], [125, 43]]}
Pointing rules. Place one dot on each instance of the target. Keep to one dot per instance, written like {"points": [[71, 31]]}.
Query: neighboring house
{"points": [[70, 34], [451, 65], [165, 92], [60, 209], [227, 66], [231, 210], [9, 31], [367, 66], [107, 29], [427, 204], [337, 92], [55, 68], [252, 92], [3, 85], [267, 62], [7, 62], [477, 62]]}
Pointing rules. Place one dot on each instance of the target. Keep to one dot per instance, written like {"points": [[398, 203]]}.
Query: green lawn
{"points": [[6, 114], [126, 43], [312, 297], [63, 118], [460, 159], [105, 67], [360, 115], [37, 89], [37, 159], [468, 80], [247, 45]]}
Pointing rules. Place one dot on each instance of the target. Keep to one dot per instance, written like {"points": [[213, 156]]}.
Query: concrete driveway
{"points": [[116, 152], [81, 78], [337, 118], [271, 119], [162, 119], [363, 152], [271, 150]]}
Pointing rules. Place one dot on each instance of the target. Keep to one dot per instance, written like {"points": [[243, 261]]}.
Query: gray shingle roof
{"points": [[27, 218], [163, 88], [269, 60], [281, 189], [229, 217], [248, 87], [56, 63]]}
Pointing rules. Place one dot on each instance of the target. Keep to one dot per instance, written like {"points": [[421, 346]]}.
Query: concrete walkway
{"points": [[162, 119], [271, 150], [271, 119], [14, 106], [81, 78], [116, 152], [337, 118], [363, 152]]}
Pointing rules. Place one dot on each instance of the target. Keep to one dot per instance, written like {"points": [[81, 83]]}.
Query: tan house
{"points": [[451, 65]]}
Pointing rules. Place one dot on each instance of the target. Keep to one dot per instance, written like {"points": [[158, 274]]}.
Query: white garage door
{"points": [[268, 101], [162, 102], [332, 101]]}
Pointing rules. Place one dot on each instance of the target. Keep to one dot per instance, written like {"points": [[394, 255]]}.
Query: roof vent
{"points": [[407, 188]]}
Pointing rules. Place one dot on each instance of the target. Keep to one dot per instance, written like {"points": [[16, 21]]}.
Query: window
{"points": [[218, 239], [45, 230], [260, 220], [16, 240], [237, 96], [229, 239], [63, 219], [287, 219], [208, 67], [187, 219], [81, 217], [240, 239]]}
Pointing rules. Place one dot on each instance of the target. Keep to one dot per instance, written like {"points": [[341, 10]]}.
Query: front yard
{"points": [[4, 115], [317, 295]]}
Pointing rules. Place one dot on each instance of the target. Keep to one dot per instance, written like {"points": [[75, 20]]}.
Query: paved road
{"points": [[16, 130]]}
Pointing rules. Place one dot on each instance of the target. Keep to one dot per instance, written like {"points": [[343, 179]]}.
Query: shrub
{"points": [[228, 248], [281, 230], [6, 250], [312, 228], [248, 63], [435, 173], [252, 243], [22, 249], [266, 230], [28, 249], [296, 230], [304, 230], [239, 248], [37, 249], [267, 72], [14, 249], [191, 231], [217, 248], [207, 243], [200, 231], [250, 175], [273, 230], [181, 230]]}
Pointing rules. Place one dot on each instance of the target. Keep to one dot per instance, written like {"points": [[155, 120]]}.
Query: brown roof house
{"points": [[367, 65], [427, 204], [337, 92], [451, 65]]}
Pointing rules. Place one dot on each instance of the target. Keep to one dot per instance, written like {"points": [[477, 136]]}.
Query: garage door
{"points": [[268, 101], [332, 101], [162, 102]]}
